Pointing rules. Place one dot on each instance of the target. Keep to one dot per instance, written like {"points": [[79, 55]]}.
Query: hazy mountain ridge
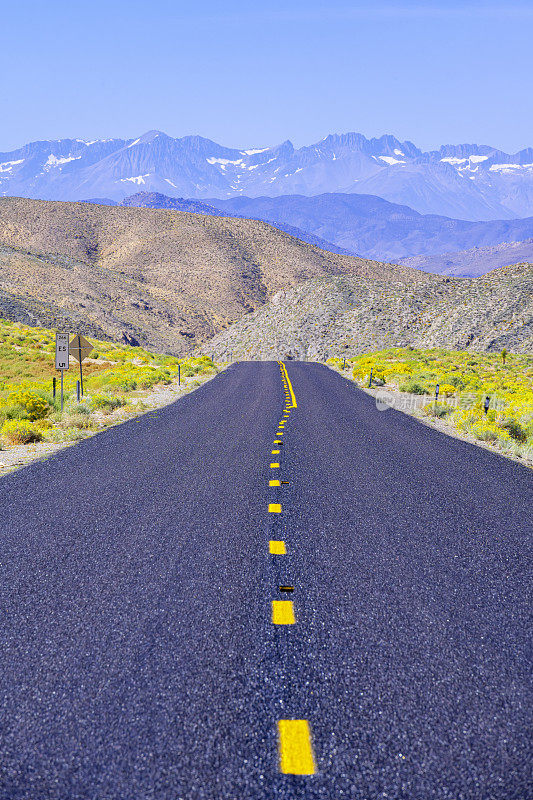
{"points": [[161, 201], [374, 228], [363, 224], [466, 181], [476, 261]]}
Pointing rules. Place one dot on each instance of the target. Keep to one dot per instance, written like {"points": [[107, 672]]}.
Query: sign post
{"points": [[80, 349], [62, 354]]}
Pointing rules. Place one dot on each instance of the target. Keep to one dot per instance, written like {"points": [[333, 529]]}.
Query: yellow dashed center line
{"points": [[283, 612], [295, 748], [287, 380], [295, 745], [275, 452]]}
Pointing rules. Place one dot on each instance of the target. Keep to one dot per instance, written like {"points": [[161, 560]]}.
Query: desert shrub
{"points": [[378, 378], [106, 402], [515, 430], [59, 435], [20, 431], [464, 418], [70, 420], [413, 387], [80, 408], [456, 381], [439, 410]]}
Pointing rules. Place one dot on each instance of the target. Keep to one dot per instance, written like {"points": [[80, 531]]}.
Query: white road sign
{"points": [[62, 350]]}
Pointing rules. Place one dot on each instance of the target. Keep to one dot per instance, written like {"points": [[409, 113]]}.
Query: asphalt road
{"points": [[139, 659]]}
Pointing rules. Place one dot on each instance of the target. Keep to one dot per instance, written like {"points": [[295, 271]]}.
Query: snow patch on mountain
{"points": [[138, 179], [391, 160], [7, 166], [53, 161]]}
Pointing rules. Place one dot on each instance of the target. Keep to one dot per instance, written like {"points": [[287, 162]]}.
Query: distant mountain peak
{"points": [[465, 181]]}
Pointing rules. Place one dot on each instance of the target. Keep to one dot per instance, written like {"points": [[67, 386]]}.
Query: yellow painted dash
{"points": [[277, 548], [276, 452], [274, 465], [274, 508], [283, 612], [274, 483], [295, 748]]}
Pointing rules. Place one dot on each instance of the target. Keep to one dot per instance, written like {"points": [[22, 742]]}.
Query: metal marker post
{"points": [[78, 391], [81, 372], [370, 381], [179, 375], [437, 388], [54, 387], [62, 356], [344, 364]]}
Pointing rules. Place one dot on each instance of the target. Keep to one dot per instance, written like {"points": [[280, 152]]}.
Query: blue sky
{"points": [[253, 74]]}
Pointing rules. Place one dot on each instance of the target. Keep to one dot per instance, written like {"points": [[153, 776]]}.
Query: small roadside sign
{"points": [[80, 347], [62, 351]]}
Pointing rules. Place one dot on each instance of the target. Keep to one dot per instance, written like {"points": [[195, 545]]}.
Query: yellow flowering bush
{"points": [[465, 379], [32, 404], [447, 390], [20, 431]]}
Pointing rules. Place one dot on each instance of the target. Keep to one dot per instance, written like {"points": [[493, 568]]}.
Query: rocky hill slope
{"points": [[169, 279], [344, 316]]}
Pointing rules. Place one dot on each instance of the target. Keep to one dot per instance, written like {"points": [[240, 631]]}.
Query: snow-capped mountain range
{"points": [[467, 181]]}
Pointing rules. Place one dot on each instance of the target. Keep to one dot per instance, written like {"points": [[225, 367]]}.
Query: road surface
{"points": [[151, 646]]}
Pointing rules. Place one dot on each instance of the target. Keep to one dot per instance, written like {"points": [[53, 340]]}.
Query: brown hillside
{"points": [[171, 279]]}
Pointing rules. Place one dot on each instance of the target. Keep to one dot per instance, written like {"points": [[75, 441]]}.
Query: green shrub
{"points": [[514, 429], [413, 387], [106, 402], [80, 408], [59, 435], [439, 410]]}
